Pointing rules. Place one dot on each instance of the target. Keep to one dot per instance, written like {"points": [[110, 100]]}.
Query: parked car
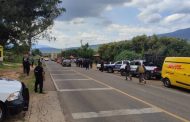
{"points": [[151, 69], [98, 66], [110, 68], [14, 97], [46, 58], [66, 62], [175, 71]]}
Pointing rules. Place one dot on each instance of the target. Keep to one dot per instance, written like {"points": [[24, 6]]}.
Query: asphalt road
{"points": [[94, 96]]}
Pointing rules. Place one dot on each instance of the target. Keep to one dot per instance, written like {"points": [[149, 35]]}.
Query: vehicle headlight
{"points": [[13, 96]]}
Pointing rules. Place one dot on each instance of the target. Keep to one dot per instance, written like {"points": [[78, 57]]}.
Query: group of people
{"points": [[38, 72], [84, 63], [140, 70]]}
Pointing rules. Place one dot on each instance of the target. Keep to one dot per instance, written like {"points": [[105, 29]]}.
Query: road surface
{"points": [[94, 96]]}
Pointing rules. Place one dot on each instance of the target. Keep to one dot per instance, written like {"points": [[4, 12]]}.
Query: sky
{"points": [[103, 21]]}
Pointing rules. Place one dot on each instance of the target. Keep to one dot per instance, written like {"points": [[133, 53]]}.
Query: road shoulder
{"points": [[45, 107]]}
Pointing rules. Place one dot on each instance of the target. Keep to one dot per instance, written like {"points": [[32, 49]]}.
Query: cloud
{"points": [[127, 32], [150, 18], [88, 8], [152, 11], [109, 8], [85, 20], [77, 21], [174, 18]]}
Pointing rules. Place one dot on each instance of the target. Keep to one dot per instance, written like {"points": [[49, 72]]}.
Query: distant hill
{"points": [[50, 50], [183, 34], [47, 49], [94, 47]]}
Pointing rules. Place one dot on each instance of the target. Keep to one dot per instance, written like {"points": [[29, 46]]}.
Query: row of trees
{"points": [[141, 46], [22, 21], [83, 52], [152, 48]]}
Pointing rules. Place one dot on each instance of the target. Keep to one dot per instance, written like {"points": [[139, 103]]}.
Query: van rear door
{"points": [[183, 78]]}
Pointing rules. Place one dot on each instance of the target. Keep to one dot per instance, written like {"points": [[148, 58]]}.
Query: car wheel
{"points": [[122, 73], [166, 82], [110, 70], [2, 112], [147, 76]]}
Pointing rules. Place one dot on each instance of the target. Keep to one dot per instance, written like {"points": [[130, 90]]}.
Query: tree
{"points": [[84, 52], [36, 52], [21, 20], [127, 55]]}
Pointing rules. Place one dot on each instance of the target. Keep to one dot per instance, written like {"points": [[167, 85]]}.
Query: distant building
{"points": [[53, 56]]}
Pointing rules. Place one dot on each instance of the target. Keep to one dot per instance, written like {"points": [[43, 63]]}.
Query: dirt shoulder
{"points": [[43, 107]]}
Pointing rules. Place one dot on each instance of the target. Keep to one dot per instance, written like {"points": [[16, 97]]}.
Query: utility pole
{"points": [[81, 42]]}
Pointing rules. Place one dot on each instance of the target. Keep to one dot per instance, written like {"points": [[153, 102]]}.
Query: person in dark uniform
{"points": [[87, 64], [27, 65], [24, 64], [39, 75], [128, 71], [102, 66]]}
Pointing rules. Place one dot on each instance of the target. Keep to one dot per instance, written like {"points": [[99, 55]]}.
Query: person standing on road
{"points": [[39, 75], [102, 66], [141, 71], [127, 71], [91, 62]]}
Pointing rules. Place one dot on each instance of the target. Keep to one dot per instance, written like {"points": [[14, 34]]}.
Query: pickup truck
{"points": [[66, 63], [14, 97], [151, 70], [98, 66], [110, 68]]}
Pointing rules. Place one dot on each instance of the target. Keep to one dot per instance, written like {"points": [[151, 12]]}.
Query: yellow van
{"points": [[176, 72]]}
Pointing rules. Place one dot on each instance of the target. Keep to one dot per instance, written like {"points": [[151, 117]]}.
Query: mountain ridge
{"points": [[182, 33]]}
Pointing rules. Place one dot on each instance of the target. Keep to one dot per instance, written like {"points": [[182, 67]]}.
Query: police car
{"points": [[14, 97]]}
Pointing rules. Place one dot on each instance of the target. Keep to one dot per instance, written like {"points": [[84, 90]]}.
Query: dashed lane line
{"points": [[84, 89], [71, 79], [86, 115], [64, 74], [138, 99]]}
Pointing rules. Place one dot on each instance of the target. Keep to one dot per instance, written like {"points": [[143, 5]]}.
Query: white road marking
{"points": [[60, 70], [85, 89], [70, 79], [85, 115], [64, 74], [56, 86]]}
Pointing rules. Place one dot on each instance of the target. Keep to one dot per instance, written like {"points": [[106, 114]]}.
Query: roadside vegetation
{"points": [[153, 48], [143, 45], [83, 52]]}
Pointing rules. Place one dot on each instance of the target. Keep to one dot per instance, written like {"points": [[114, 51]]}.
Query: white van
{"points": [[14, 97]]}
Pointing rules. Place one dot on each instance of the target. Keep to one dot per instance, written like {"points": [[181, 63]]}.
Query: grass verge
{"points": [[8, 65], [29, 81]]}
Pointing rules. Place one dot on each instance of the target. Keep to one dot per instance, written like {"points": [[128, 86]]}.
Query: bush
{"points": [[127, 55]]}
